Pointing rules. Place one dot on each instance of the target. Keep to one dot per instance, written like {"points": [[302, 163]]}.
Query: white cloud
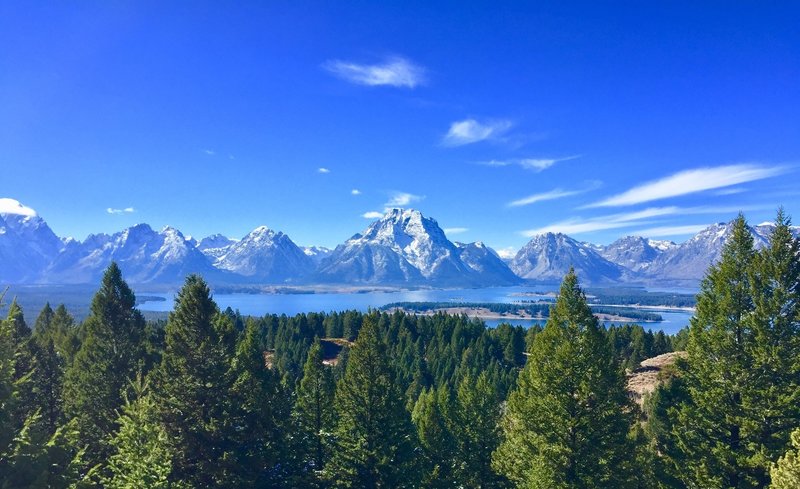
{"points": [[471, 131], [126, 210], [556, 193], [322, 169], [690, 181], [631, 219], [730, 191], [393, 72], [670, 230], [355, 191], [372, 215], [11, 206], [533, 164], [402, 199], [455, 230], [209, 152]]}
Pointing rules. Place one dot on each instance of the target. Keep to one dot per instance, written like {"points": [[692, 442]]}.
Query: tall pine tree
{"points": [[567, 421], [108, 358], [193, 385], [375, 440], [743, 365], [314, 413]]}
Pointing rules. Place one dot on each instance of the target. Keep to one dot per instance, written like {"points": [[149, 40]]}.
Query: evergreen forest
{"points": [[377, 399]]}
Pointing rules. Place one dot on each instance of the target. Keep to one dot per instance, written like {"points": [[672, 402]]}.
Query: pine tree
{"points": [[729, 415], [375, 439], [108, 358], [260, 413], [475, 424], [314, 412], [142, 453], [772, 407], [193, 385], [786, 472], [567, 420], [435, 437]]}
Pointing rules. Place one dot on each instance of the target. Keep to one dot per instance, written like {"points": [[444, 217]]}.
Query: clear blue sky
{"points": [[218, 116]]}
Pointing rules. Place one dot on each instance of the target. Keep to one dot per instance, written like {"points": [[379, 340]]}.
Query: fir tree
{"points": [[435, 437], [142, 453], [375, 439], [193, 386], [477, 432], [715, 429], [260, 414], [567, 420], [314, 412], [108, 358], [786, 472]]}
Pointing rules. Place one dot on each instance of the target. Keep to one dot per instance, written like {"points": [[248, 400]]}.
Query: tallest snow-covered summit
{"points": [[27, 244], [400, 248]]}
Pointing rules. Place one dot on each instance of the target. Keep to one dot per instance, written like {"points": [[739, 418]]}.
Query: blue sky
{"points": [[597, 120]]}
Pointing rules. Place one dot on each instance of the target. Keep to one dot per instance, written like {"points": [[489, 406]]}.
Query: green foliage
{"points": [[786, 472], [108, 357], [743, 368], [192, 388], [313, 414], [567, 420], [474, 422], [142, 453], [375, 440]]}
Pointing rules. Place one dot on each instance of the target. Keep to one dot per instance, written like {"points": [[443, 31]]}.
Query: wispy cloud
{"points": [[455, 230], [322, 169], [209, 152], [355, 191], [730, 191], [533, 164], [633, 219], [613, 221], [126, 210], [372, 215], [471, 131], [556, 193], [670, 230], [402, 199], [691, 181], [394, 72]]}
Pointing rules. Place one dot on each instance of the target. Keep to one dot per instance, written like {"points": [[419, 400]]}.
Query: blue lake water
{"points": [[291, 304]]}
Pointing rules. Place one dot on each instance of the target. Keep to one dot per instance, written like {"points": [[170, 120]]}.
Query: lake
{"points": [[291, 304]]}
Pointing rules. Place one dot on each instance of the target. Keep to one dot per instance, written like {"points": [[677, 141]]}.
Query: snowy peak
{"points": [[402, 247], [634, 252], [549, 256], [267, 256]]}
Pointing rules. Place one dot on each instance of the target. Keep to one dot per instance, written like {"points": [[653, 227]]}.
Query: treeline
{"points": [[212, 399], [536, 309]]}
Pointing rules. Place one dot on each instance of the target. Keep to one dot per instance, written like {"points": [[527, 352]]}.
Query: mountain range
{"points": [[402, 248]]}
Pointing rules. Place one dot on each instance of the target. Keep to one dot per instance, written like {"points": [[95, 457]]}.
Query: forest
{"points": [[378, 399]]}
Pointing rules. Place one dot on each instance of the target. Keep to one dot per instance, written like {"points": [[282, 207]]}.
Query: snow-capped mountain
{"points": [[403, 247], [267, 256], [690, 260], [316, 253], [634, 252], [27, 244], [548, 257], [215, 246], [144, 255], [487, 263]]}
